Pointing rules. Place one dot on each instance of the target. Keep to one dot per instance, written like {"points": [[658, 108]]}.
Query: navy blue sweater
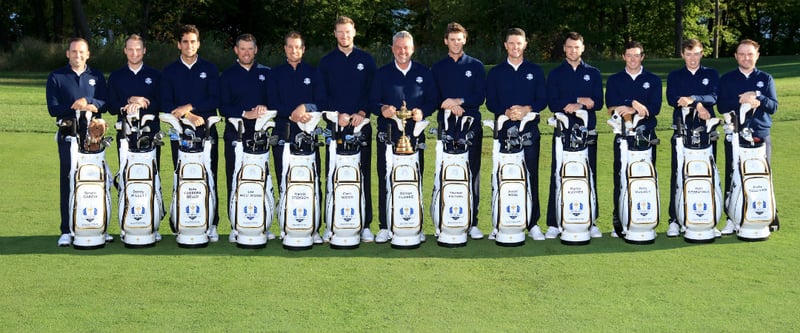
{"points": [[621, 90], [198, 86], [465, 78], [734, 83], [702, 86], [242, 89], [123, 83], [506, 87], [288, 87], [64, 87], [391, 87], [565, 85], [348, 79]]}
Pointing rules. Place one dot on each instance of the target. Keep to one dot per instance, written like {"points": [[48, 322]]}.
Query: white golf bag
{"points": [[141, 206], [512, 200], [251, 203], [698, 196], [639, 201], [750, 204], [90, 183], [404, 183], [345, 201], [451, 203], [193, 201], [576, 196], [298, 207]]}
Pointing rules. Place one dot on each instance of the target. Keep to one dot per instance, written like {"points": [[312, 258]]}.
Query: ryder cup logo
{"points": [[347, 213], [513, 211], [261, 77], [250, 211], [699, 208], [360, 67], [456, 213], [90, 213], [575, 208], [306, 81], [529, 76], [299, 214], [148, 81], [192, 211], [587, 77], [138, 212], [203, 75], [704, 82], [646, 85], [92, 82], [759, 206], [419, 79], [468, 73], [406, 213], [644, 208], [760, 84]]}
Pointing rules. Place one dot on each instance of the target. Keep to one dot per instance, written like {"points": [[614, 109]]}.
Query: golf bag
{"points": [[750, 203], [251, 202], [512, 200], [404, 184], [451, 204], [576, 196], [345, 202], [639, 201], [193, 201], [141, 206], [298, 207], [698, 196]]}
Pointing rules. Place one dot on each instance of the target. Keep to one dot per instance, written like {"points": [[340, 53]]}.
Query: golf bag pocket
{"points": [[701, 202], [252, 211], [91, 203], [575, 198], [140, 206], [299, 207], [641, 201], [191, 215], [347, 202]]}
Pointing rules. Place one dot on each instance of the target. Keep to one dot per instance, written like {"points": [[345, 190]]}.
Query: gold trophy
{"points": [[403, 146]]}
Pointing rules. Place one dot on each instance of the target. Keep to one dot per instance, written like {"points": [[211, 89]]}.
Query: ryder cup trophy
{"points": [[403, 146]]}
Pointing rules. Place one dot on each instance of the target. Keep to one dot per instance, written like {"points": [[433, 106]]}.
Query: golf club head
{"points": [[419, 127], [711, 124]]}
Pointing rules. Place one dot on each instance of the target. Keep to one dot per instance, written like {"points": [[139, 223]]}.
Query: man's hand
{"points": [[586, 101], [255, 112], [80, 104], [702, 112], [640, 108], [91, 108], [299, 115], [623, 110], [143, 102], [416, 114], [685, 101], [517, 112], [572, 107], [344, 119], [357, 118], [182, 111], [388, 111], [454, 105], [131, 108], [195, 119]]}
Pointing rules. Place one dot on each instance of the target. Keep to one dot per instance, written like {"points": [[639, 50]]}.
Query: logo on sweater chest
{"points": [[760, 84], [468, 73], [92, 82], [307, 81], [419, 79], [704, 82], [586, 77], [203, 75], [529, 76], [360, 67], [646, 85], [261, 77]]}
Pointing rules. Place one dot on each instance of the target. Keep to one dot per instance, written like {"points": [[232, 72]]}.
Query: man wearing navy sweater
{"points": [[748, 84], [243, 94], [461, 84], [294, 89], [133, 89], [400, 81], [692, 86], [190, 89], [574, 85], [75, 87], [348, 72], [632, 91], [515, 88]]}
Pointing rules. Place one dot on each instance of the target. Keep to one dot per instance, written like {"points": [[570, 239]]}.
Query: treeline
{"points": [[606, 24]]}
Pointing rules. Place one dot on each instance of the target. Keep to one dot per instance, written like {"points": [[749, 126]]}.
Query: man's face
{"points": [[189, 45], [515, 46], [344, 35], [402, 49], [692, 57], [77, 54], [294, 49], [455, 42], [573, 49], [746, 56], [134, 51], [245, 52], [633, 58]]}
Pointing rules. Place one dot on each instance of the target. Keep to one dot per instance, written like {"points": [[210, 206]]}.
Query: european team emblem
{"points": [[644, 208], [203, 75], [192, 211], [513, 211], [575, 208], [307, 81], [529, 76], [419, 79], [586, 77], [250, 211], [138, 212], [646, 85], [148, 81], [92, 82], [700, 208], [468, 73], [406, 213], [360, 67], [90, 213], [759, 206], [347, 213], [299, 214], [456, 212]]}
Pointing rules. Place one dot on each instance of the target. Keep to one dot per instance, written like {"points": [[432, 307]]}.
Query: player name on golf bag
{"points": [[193, 202], [575, 189], [298, 211], [404, 183], [451, 204], [639, 201], [750, 204], [512, 200], [698, 197], [345, 202], [251, 204], [90, 181], [141, 206]]}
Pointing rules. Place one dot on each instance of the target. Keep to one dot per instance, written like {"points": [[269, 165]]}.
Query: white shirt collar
{"points": [[635, 75], [515, 67], [136, 71], [404, 71], [189, 65]]}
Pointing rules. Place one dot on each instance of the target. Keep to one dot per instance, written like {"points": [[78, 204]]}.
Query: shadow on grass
{"points": [[20, 245]]}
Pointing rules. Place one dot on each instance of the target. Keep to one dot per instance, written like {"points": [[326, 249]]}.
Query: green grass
{"points": [[729, 286]]}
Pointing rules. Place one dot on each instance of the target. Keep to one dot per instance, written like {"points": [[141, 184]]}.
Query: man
{"points": [[243, 94], [461, 84], [294, 89], [348, 72], [748, 84], [74, 87], [515, 88], [574, 85], [400, 81], [632, 91], [692, 86], [190, 89]]}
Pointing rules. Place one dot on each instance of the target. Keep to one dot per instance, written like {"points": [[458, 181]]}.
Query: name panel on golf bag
{"points": [[138, 206], [192, 201], [406, 206], [455, 197], [347, 206], [757, 191], [643, 193], [250, 208], [300, 199], [699, 193], [512, 198], [90, 197], [575, 193]]}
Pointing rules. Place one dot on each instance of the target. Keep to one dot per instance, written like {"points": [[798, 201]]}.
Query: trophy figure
{"points": [[403, 146]]}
